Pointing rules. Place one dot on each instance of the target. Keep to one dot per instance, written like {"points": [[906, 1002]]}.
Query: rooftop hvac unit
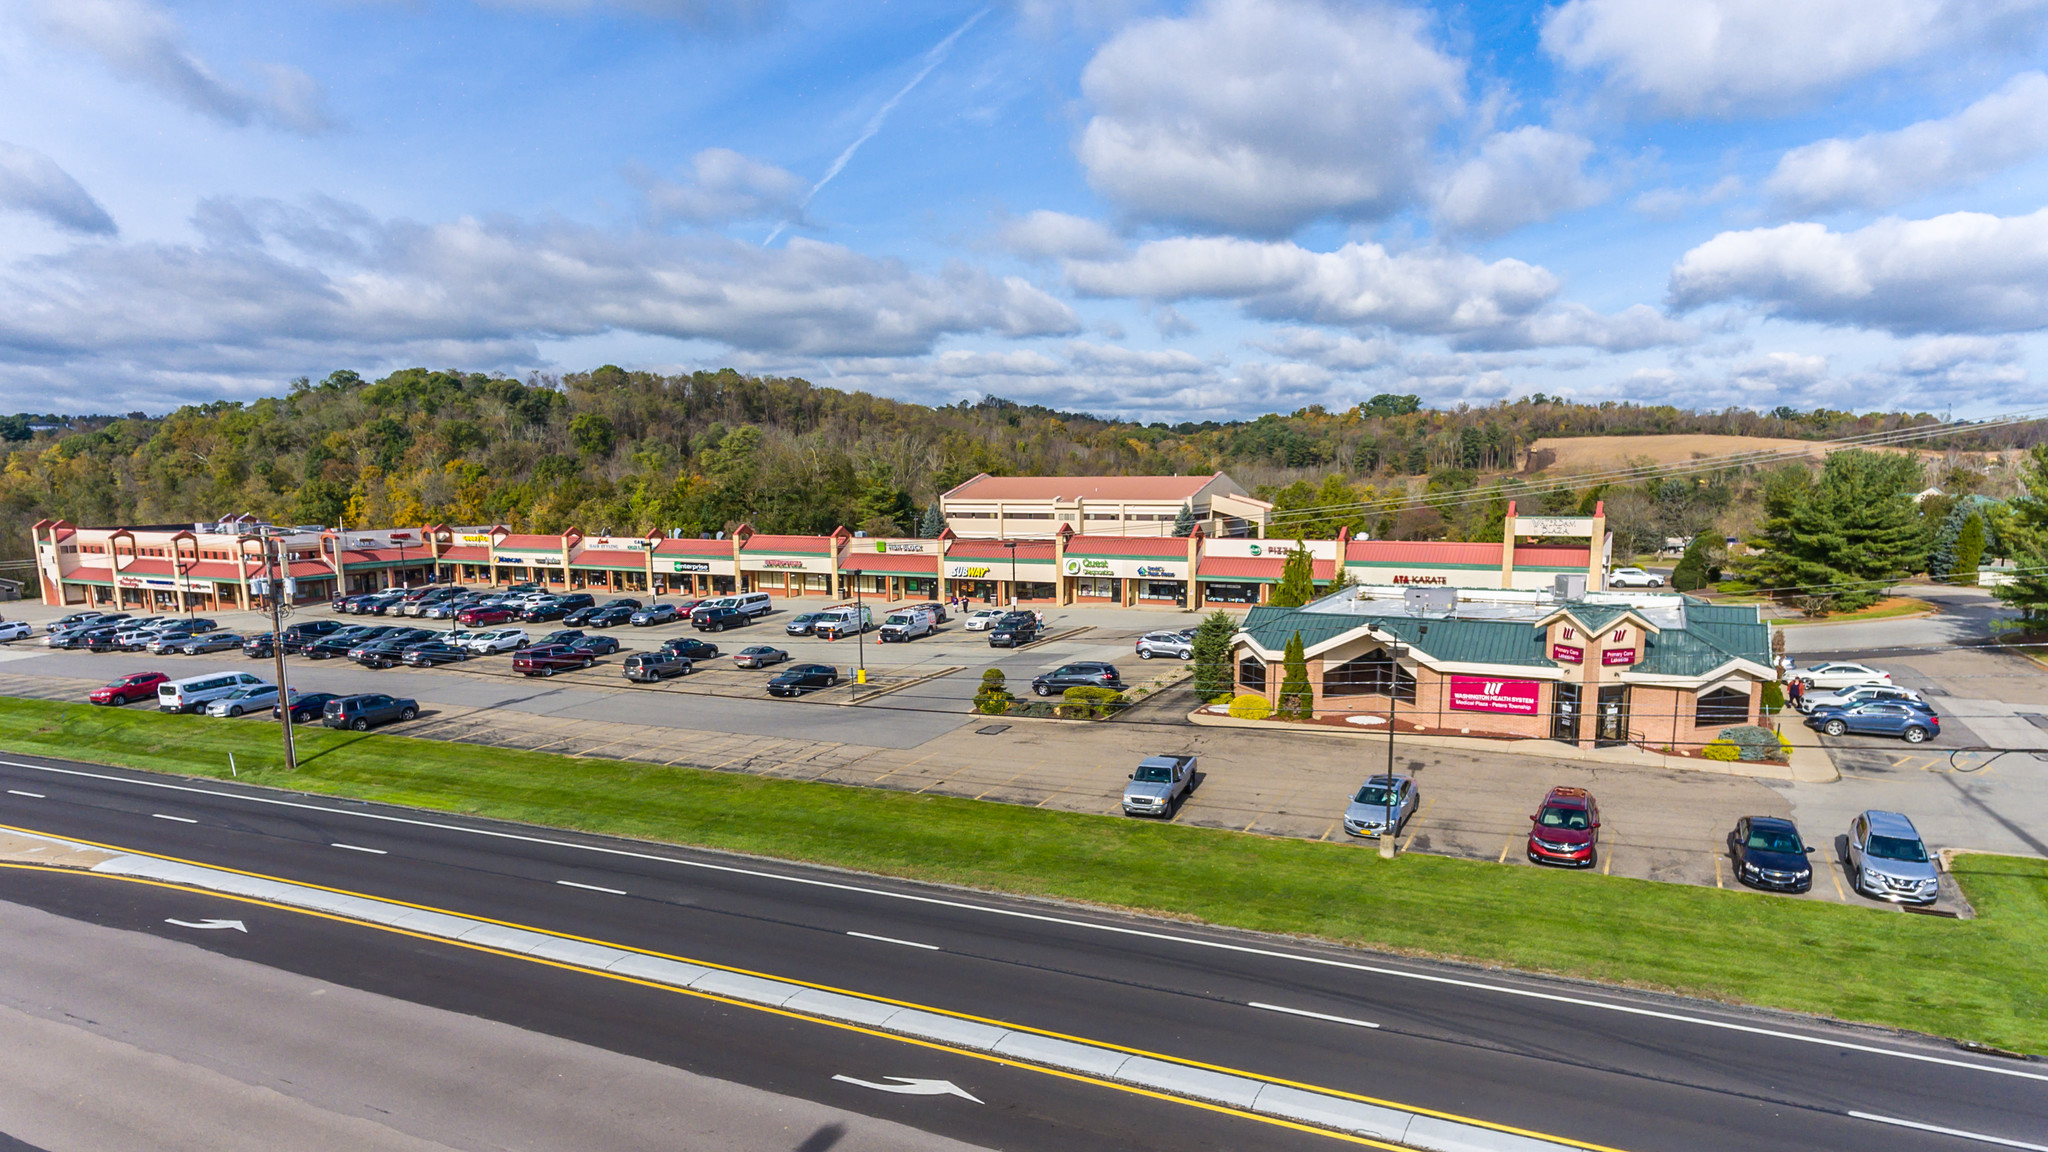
{"points": [[1571, 586], [1423, 601]]}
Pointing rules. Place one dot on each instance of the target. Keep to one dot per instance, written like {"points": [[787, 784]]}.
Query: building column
{"points": [[1507, 548], [1596, 548]]}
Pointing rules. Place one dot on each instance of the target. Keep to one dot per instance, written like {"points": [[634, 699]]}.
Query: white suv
{"points": [[1180, 645], [498, 640], [1633, 578]]}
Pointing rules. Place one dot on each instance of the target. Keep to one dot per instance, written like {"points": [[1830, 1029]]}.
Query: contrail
{"points": [[874, 125]]}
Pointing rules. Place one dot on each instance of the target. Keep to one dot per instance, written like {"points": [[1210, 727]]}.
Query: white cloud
{"points": [[1427, 291], [1261, 115], [1887, 168], [33, 183], [723, 186], [1668, 203], [138, 40], [1333, 350], [1689, 57], [1169, 323], [1519, 177], [1963, 272], [1944, 354], [277, 290], [1045, 235]]}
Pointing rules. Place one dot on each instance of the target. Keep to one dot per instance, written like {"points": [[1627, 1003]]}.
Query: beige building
{"points": [[1036, 507]]}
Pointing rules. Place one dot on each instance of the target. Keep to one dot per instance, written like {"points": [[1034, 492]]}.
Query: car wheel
{"points": [[407, 713], [832, 683], [361, 725], [1834, 728], [1144, 654], [235, 710], [1592, 858], [1041, 689], [587, 662], [1916, 735], [547, 671]]}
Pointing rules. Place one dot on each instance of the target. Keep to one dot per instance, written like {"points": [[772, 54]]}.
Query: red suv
{"points": [[139, 686], [487, 615], [548, 659], [1566, 829]]}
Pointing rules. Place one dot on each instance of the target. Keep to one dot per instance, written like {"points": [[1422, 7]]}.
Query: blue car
{"points": [[1916, 723]]}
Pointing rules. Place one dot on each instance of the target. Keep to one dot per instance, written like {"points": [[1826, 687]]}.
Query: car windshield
{"points": [[1898, 848], [1374, 794], [1771, 840], [1154, 774], [1574, 819]]}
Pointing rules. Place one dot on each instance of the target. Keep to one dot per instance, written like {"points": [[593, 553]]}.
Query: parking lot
{"points": [[910, 728]]}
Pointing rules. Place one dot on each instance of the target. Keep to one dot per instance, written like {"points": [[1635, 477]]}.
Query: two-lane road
{"points": [[1601, 1066]]}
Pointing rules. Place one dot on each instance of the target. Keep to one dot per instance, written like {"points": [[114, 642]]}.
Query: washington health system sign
{"points": [[1478, 694]]}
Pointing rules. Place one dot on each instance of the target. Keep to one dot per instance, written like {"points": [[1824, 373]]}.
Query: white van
{"points": [[195, 692], [906, 624], [752, 603], [845, 620]]}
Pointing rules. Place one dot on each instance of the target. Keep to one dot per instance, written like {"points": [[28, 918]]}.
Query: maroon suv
{"points": [[1565, 829], [548, 659], [486, 615]]}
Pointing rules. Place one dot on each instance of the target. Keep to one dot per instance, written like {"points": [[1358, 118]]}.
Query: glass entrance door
{"points": [[1564, 712], [1613, 725]]}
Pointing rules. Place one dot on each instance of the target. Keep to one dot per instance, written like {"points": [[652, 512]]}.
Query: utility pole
{"points": [[284, 689]]}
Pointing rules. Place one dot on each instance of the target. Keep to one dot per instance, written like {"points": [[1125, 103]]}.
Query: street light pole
{"points": [[1394, 654], [284, 689], [860, 629]]}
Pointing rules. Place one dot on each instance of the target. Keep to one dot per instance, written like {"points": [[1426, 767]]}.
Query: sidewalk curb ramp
{"points": [[1302, 1105]]}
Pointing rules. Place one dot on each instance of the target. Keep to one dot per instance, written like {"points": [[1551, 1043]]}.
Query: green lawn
{"points": [[1975, 980]]}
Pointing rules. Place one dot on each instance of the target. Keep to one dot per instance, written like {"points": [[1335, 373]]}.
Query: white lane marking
{"points": [[235, 924], [30, 795], [893, 940], [591, 887], [179, 819], [1957, 1132], [1314, 1015], [910, 1087], [1042, 918], [355, 848]]}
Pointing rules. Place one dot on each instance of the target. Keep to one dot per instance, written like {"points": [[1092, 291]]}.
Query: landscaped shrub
{"points": [[1757, 744], [1785, 745], [1722, 750], [1086, 703], [1038, 709], [1250, 707], [993, 699]]}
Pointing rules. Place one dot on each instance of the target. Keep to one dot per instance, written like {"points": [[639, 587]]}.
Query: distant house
{"points": [[1921, 496]]}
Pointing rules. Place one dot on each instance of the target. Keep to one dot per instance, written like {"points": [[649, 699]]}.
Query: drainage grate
{"points": [[992, 730]]}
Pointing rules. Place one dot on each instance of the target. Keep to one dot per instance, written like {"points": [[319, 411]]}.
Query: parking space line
{"points": [[30, 795], [1717, 871], [1504, 850], [1607, 864], [1835, 874], [179, 819]]}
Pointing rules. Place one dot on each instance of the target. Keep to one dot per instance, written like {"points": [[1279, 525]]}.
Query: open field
{"points": [[1968, 979], [1563, 455]]}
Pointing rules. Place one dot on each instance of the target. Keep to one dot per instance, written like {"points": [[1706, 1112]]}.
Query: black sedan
{"points": [[691, 647], [258, 645], [306, 708], [609, 616], [429, 653], [383, 653], [595, 645], [328, 647], [1768, 853], [564, 636], [800, 678]]}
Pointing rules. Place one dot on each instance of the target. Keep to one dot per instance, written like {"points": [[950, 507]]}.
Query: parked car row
{"points": [[1840, 697]]}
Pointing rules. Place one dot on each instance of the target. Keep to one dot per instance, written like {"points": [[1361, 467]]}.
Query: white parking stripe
{"points": [[1957, 1132], [591, 887], [30, 795], [1066, 922], [1315, 1015], [893, 940]]}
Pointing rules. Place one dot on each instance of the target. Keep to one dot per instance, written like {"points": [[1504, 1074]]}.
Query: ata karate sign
{"points": [[1478, 694]]}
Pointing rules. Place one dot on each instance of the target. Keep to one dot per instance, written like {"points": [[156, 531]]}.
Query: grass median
{"points": [[1973, 979]]}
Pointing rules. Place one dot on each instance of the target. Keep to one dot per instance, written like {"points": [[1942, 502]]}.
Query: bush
{"points": [[1297, 699], [1086, 703], [1785, 745], [1774, 696], [993, 699], [1037, 709], [1722, 750], [1212, 669], [1250, 707], [1223, 698], [1757, 745]]}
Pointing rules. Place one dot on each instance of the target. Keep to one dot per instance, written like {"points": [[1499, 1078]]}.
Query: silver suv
{"points": [[1179, 645], [1888, 861]]}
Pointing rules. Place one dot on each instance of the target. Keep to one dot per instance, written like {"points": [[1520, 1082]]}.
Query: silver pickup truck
{"points": [[1159, 783]]}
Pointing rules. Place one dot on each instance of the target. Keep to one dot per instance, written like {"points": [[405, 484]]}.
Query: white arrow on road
{"points": [[910, 1087], [235, 924]]}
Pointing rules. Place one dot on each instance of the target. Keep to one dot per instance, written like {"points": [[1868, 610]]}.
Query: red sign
{"points": [[1476, 694], [1568, 653], [1618, 656]]}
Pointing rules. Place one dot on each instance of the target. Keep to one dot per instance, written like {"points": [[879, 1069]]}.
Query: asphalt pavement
{"points": [[1607, 1067]]}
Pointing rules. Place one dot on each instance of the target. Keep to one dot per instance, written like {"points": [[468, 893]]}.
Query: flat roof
{"points": [[1140, 488]]}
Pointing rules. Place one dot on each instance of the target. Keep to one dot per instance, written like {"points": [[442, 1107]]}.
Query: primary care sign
{"points": [[1478, 694]]}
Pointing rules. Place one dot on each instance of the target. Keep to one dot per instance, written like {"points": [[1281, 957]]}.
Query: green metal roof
{"points": [[1456, 641]]}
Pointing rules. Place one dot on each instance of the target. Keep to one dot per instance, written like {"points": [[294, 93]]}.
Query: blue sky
{"points": [[1162, 210]]}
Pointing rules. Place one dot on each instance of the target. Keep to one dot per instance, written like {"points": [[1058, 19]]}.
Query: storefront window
{"points": [[1231, 593], [1173, 590], [1097, 586], [1369, 675], [817, 582], [1722, 706], [1251, 675], [1033, 590]]}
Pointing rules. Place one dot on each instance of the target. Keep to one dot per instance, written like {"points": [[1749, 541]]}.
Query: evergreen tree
{"points": [[1844, 536], [1212, 671], [1297, 578], [1694, 567], [1941, 556], [1297, 699], [933, 525], [1969, 552], [1184, 522], [2025, 541]]}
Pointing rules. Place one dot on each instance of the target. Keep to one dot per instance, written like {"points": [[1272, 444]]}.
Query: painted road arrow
{"points": [[910, 1087], [235, 924]]}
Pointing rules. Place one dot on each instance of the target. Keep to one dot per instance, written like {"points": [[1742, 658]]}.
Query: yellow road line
{"points": [[1835, 874], [1181, 1060], [1717, 871], [1504, 850]]}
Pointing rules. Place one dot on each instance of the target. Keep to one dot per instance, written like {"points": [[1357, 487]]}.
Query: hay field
{"points": [[1563, 455]]}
